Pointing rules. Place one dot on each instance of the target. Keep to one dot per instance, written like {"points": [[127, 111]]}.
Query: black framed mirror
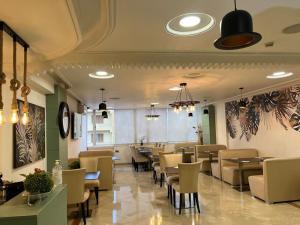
{"points": [[64, 119]]}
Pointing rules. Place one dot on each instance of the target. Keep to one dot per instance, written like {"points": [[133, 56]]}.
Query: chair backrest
{"points": [[100, 152], [156, 150], [172, 160], [74, 179], [235, 153], [105, 166], [188, 177], [282, 179], [178, 146], [132, 151], [162, 162], [89, 163], [200, 150]]}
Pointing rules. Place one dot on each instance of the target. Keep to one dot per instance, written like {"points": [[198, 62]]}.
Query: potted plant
{"points": [[37, 185]]}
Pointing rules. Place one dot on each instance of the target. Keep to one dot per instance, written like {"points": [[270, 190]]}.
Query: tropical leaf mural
{"points": [[283, 105], [29, 140]]}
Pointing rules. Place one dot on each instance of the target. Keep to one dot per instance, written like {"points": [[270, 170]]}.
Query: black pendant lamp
{"points": [[190, 114], [102, 105], [237, 31], [104, 114], [205, 111], [242, 103]]}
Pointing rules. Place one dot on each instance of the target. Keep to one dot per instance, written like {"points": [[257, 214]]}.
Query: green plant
{"points": [[38, 182], [74, 165]]}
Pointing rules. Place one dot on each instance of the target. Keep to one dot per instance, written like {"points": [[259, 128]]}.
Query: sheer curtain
{"points": [[125, 126]]}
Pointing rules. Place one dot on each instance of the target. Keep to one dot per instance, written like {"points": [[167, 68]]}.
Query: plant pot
{"points": [[34, 198]]}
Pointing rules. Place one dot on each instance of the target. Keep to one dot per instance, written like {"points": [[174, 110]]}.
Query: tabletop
{"points": [[247, 160]]}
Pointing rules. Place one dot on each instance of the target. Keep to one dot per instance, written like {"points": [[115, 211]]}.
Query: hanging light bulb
{"points": [[2, 119], [14, 117], [25, 118]]}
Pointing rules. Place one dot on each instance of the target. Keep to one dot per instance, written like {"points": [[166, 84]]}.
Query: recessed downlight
{"points": [[154, 103], [101, 75], [189, 21], [279, 74], [190, 24], [176, 88]]}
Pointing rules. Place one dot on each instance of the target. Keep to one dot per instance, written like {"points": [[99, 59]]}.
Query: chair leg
{"points": [[171, 196], [168, 191], [180, 202], [154, 174], [96, 189], [87, 208], [190, 200], [197, 201], [161, 179], [83, 213], [174, 198]]}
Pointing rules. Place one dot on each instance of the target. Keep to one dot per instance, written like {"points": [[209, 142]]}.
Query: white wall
{"points": [[6, 139], [75, 146]]}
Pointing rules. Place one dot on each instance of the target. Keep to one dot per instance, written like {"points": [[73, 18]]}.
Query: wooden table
{"points": [[145, 150], [211, 154], [187, 156], [242, 161]]}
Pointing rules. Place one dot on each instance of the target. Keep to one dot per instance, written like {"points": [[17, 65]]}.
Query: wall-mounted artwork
{"points": [[282, 106], [29, 140]]}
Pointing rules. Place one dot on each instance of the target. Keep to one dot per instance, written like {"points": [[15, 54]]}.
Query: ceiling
{"points": [[71, 38]]}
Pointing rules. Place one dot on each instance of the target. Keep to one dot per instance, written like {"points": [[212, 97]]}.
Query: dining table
{"points": [[187, 153], [211, 157], [92, 175], [241, 162]]}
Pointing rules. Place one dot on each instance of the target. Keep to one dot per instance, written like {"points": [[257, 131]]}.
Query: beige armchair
{"points": [[90, 165], [139, 159], [229, 172], [97, 152], [188, 183], [201, 156], [77, 194], [280, 181]]}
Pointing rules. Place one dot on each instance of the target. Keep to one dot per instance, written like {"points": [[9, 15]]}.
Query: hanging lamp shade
{"points": [[205, 111], [242, 104], [102, 106], [104, 114], [190, 114], [237, 31]]}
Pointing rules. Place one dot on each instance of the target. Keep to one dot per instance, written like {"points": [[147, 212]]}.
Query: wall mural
{"points": [[282, 105], [29, 141]]}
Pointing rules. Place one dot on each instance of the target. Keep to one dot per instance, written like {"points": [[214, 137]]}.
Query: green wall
{"points": [[209, 126], [57, 148]]}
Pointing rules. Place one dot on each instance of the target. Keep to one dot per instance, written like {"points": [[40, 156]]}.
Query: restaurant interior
{"points": [[149, 112]]}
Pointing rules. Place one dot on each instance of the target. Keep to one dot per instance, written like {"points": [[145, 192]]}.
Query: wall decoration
{"points": [[64, 120], [281, 106], [29, 140]]}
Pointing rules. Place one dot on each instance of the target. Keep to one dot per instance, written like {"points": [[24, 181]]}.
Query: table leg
{"points": [[241, 177], [210, 157]]}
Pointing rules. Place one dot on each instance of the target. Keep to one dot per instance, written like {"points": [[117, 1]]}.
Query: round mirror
{"points": [[64, 119]]}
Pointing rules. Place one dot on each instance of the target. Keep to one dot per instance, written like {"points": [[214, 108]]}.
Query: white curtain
{"points": [[124, 126]]}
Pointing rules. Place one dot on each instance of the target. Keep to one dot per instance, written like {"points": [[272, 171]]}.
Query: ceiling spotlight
{"points": [[280, 74], [176, 88], [189, 21], [190, 24], [237, 31], [101, 75]]}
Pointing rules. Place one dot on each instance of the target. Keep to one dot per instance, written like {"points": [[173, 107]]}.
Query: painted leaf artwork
{"points": [[29, 140], [282, 105]]}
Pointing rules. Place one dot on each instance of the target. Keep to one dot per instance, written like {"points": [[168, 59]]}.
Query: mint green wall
{"points": [[209, 125], [57, 148]]}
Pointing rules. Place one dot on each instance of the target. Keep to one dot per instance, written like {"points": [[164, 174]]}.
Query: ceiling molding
{"points": [[183, 60]]}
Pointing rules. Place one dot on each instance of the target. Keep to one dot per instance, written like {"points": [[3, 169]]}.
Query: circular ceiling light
{"points": [[280, 74], [189, 21], [190, 24], [154, 103], [176, 88], [101, 75]]}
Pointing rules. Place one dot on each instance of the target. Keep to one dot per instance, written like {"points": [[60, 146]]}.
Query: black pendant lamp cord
{"points": [[235, 5]]}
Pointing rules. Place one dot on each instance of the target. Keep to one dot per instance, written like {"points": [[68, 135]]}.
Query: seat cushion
{"points": [[86, 195], [257, 186], [172, 179], [91, 184], [230, 174], [157, 169]]}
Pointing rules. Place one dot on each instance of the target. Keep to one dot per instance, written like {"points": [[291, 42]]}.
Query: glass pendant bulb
{"points": [[2, 119], [192, 108], [25, 118], [14, 117]]}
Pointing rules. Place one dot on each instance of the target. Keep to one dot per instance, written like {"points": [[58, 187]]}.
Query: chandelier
{"points": [[184, 100], [152, 115], [15, 84]]}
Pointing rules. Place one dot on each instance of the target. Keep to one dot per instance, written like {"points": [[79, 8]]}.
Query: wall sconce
{"points": [[14, 83]]}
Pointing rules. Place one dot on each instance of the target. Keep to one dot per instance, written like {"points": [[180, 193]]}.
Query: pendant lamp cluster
{"points": [[237, 31], [205, 111], [184, 101], [152, 114], [102, 105], [14, 83]]}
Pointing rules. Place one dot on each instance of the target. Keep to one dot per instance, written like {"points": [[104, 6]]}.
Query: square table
{"points": [[242, 161]]}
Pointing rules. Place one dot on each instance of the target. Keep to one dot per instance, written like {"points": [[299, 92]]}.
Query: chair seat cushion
{"points": [[157, 169], [257, 186], [172, 179], [86, 195], [91, 183], [176, 186]]}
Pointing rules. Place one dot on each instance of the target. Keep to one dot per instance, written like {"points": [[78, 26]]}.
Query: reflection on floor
{"points": [[137, 200]]}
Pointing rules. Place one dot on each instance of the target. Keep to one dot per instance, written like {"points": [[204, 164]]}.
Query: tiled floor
{"points": [[137, 200]]}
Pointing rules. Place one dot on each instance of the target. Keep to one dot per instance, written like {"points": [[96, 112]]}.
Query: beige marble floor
{"points": [[137, 200]]}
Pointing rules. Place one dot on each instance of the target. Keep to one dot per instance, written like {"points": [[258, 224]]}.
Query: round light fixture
{"points": [[101, 75], [154, 103], [189, 21], [190, 24], [280, 74], [176, 88]]}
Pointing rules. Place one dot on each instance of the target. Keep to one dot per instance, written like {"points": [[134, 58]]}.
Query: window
{"points": [[100, 132]]}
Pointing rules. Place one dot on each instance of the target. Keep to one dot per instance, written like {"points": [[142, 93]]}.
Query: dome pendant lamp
{"points": [[102, 105], [237, 31]]}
